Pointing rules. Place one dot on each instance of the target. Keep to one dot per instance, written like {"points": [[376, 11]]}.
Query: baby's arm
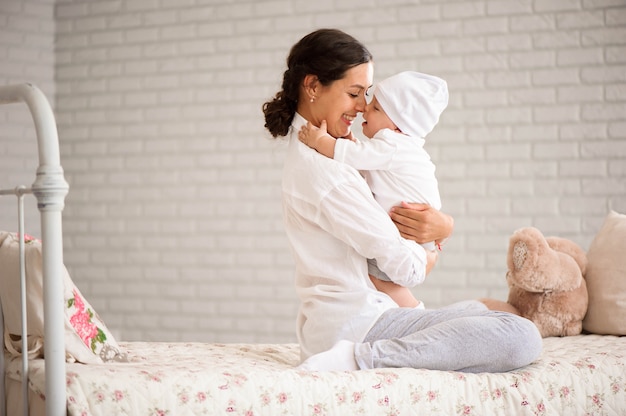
{"points": [[318, 139]]}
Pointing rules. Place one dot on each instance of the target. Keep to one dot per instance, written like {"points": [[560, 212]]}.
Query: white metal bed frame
{"points": [[50, 189]]}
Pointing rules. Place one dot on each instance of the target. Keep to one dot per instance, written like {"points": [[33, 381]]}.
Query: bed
{"points": [[81, 369]]}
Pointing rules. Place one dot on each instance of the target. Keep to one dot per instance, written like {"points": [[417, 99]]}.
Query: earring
{"points": [[312, 99]]}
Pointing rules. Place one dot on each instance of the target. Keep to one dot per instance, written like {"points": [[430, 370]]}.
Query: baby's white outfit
{"points": [[395, 165]]}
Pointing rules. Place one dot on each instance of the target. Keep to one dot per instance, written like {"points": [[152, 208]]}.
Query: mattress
{"points": [[577, 375]]}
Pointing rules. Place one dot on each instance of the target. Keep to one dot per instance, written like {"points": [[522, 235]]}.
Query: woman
{"points": [[334, 225]]}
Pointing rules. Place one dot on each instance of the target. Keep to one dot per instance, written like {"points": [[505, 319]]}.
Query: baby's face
{"points": [[375, 119]]}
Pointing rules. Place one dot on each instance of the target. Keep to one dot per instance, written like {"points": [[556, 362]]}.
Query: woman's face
{"points": [[339, 102]]}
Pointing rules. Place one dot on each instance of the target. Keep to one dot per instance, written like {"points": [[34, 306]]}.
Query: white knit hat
{"points": [[413, 101]]}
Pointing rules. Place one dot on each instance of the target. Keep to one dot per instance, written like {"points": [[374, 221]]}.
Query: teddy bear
{"points": [[546, 281]]}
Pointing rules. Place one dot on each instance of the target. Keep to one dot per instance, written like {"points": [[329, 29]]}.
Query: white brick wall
{"points": [[173, 224], [26, 55]]}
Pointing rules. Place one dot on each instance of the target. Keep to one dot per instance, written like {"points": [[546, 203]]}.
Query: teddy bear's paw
{"points": [[518, 255], [572, 328]]}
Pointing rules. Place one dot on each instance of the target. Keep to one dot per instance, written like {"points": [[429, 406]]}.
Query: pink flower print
{"points": [[384, 401], [497, 393], [201, 396], [82, 323], [282, 397], [27, 238], [597, 400], [317, 409], [240, 379], [390, 378], [99, 396], [249, 413], [151, 377], [432, 395], [615, 387], [356, 397], [86, 330], [265, 399], [118, 395], [70, 377], [78, 302], [541, 407], [467, 410], [183, 397]]}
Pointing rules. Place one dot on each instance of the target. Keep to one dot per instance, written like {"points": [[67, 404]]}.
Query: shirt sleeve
{"points": [[373, 154], [352, 215]]}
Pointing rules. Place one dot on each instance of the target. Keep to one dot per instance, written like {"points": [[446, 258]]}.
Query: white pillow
{"points": [[87, 339], [606, 278]]}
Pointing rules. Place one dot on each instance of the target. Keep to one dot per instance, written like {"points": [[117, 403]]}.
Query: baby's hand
{"points": [[431, 260], [310, 135], [351, 137], [318, 139]]}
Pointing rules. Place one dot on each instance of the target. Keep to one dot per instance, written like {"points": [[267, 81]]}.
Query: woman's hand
{"points": [[422, 223]]}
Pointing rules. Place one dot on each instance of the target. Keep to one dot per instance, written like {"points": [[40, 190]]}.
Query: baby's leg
{"points": [[401, 295]]}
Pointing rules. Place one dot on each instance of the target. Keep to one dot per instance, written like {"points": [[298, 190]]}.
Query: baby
{"points": [[404, 109]]}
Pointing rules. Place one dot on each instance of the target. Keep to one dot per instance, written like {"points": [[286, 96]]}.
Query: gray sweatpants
{"points": [[465, 336]]}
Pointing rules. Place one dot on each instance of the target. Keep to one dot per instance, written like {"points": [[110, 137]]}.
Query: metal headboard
{"points": [[50, 189]]}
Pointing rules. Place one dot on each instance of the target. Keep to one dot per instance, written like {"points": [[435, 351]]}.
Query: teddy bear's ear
{"points": [[524, 246], [570, 248]]}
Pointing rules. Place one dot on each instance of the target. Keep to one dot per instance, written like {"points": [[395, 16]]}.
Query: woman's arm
{"points": [[422, 223], [350, 213]]}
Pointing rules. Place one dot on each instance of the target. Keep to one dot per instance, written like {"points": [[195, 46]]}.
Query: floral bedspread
{"points": [[580, 375]]}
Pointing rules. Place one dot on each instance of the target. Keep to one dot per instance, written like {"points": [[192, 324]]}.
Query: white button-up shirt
{"points": [[334, 224]]}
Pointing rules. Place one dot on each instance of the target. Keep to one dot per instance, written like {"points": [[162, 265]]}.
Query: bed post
{"points": [[50, 189]]}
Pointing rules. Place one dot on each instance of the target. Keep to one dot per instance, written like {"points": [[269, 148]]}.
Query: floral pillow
{"points": [[87, 339]]}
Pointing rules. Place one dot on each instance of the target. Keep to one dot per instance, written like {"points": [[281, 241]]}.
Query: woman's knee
{"points": [[526, 345]]}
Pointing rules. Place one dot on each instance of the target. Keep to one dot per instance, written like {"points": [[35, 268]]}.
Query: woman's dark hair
{"points": [[325, 53]]}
